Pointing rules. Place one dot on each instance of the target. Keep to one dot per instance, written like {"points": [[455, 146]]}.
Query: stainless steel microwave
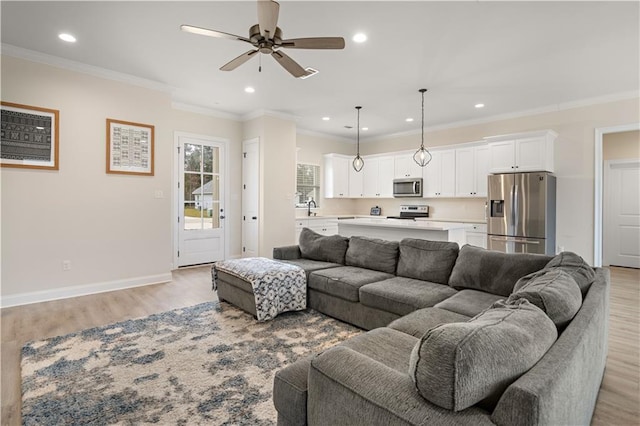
{"points": [[407, 187]]}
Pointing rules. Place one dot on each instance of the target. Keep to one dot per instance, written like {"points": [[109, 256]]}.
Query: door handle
{"points": [[221, 217], [254, 217]]}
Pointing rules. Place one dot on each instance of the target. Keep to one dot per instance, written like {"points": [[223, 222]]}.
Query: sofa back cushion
{"points": [[492, 271], [373, 253], [325, 248], [457, 365], [575, 266], [427, 260], [552, 290]]}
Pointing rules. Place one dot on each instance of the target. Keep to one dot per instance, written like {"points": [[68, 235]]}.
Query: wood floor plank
{"points": [[618, 401]]}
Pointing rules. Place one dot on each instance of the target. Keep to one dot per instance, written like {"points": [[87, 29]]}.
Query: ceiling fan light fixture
{"points": [[422, 156], [358, 162]]}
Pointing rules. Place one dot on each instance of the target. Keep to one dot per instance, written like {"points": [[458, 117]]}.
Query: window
{"points": [[307, 184]]}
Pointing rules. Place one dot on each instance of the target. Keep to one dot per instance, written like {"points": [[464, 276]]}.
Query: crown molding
{"points": [[525, 113], [325, 136], [210, 112], [44, 58], [268, 113]]}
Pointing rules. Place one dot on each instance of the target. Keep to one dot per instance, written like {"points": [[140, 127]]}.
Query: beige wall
{"points": [[111, 227], [620, 146], [277, 179]]}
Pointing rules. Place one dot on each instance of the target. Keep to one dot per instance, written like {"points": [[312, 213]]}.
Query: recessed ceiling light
{"points": [[365, 128], [360, 38], [408, 120], [67, 37], [326, 118], [249, 89], [479, 105]]}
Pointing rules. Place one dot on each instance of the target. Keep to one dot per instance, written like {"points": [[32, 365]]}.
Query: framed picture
{"points": [[129, 148], [29, 137]]}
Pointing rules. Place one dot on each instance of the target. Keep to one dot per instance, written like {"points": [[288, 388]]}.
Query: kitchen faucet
{"points": [[309, 206]]}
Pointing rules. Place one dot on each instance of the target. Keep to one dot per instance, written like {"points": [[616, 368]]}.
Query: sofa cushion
{"points": [[325, 248], [457, 365], [417, 323], [344, 281], [469, 302], [290, 391], [427, 260], [311, 265], [402, 295], [373, 253], [491, 271], [554, 291], [575, 266], [384, 345]]}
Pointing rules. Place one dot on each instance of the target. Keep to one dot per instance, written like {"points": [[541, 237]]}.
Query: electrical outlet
{"points": [[66, 265], [560, 249], [158, 193]]}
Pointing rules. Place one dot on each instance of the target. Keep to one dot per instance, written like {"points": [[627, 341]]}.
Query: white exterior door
{"points": [[250, 197], [200, 200], [622, 213]]}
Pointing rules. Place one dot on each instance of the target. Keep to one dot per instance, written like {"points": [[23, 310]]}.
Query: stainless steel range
{"points": [[411, 212]]}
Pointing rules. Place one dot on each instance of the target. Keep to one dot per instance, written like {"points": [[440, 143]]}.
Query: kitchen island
{"points": [[397, 229]]}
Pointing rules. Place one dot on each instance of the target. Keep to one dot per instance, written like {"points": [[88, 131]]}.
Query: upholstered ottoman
{"points": [[260, 286]]}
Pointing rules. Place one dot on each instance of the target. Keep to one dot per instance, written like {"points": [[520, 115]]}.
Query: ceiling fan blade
{"points": [[212, 33], [314, 43], [235, 63], [268, 11], [289, 64]]}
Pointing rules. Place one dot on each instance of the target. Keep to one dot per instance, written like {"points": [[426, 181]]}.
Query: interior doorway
{"points": [[200, 200], [603, 208]]}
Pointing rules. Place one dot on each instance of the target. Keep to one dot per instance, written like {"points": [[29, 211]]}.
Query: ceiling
{"points": [[512, 56]]}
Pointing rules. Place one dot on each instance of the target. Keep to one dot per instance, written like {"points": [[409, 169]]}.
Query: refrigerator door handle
{"points": [[515, 240], [516, 210]]}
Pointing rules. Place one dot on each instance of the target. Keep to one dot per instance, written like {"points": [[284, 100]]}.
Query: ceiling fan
{"points": [[266, 37]]}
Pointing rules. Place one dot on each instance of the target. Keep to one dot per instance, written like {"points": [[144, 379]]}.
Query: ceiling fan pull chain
{"points": [[260, 63]]}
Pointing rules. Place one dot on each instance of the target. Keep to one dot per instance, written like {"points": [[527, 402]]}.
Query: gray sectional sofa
{"points": [[457, 336]]}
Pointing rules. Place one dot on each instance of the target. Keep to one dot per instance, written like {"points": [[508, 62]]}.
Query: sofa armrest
{"points": [[347, 387], [287, 252]]}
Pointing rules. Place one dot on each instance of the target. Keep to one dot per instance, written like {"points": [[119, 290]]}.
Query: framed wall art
{"points": [[129, 148], [29, 137]]}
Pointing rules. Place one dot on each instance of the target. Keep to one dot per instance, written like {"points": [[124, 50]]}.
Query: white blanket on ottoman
{"points": [[277, 287]]}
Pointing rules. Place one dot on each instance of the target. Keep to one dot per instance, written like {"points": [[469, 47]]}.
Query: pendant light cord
{"points": [[422, 142], [358, 131]]}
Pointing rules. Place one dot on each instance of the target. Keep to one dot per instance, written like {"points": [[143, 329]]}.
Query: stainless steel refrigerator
{"points": [[522, 213]]}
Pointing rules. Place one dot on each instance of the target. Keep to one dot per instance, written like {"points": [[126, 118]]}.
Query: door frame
{"points": [[175, 178], [598, 186]]}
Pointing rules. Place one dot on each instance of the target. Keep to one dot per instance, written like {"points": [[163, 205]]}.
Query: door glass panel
{"points": [[192, 186], [209, 158], [192, 157], [192, 217]]}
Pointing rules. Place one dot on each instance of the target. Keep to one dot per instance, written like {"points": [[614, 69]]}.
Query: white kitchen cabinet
{"points": [[472, 168], [476, 235], [321, 225], [524, 152], [336, 176], [405, 167], [356, 183], [378, 173], [440, 174]]}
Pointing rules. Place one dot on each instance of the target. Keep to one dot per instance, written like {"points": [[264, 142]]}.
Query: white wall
{"points": [[111, 227], [621, 145]]}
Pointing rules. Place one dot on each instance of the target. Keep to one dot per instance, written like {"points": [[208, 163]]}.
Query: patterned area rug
{"points": [[204, 364]]}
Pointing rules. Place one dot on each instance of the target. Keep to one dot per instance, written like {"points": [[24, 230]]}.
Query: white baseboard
{"points": [[81, 290]]}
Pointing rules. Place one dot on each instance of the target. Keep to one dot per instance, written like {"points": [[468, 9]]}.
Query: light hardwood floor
{"points": [[618, 401]]}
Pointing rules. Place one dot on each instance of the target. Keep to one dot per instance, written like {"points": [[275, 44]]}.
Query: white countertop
{"points": [[423, 224]]}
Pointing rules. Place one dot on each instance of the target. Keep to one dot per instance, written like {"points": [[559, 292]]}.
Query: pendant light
{"points": [[358, 162], [422, 155]]}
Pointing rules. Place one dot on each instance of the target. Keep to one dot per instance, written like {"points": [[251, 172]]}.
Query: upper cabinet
{"points": [[405, 167], [356, 183], [524, 152], [472, 168], [440, 174], [336, 176], [378, 173]]}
